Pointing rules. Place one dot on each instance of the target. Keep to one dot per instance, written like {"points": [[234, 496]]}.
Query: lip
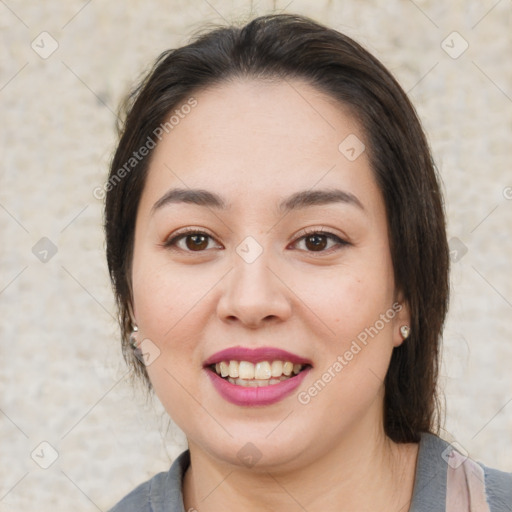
{"points": [[265, 395], [255, 355], [257, 396]]}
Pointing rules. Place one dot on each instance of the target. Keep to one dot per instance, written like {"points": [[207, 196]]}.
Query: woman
{"points": [[276, 240]]}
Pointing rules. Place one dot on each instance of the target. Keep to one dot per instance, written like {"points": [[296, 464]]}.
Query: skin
{"points": [[256, 143]]}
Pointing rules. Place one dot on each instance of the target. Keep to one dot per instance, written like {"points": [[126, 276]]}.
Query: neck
{"points": [[363, 472]]}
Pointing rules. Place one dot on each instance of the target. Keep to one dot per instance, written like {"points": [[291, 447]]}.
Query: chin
{"points": [[252, 447]]}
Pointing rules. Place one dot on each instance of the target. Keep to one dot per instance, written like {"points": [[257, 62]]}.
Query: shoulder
{"points": [[498, 487], [160, 493], [447, 480]]}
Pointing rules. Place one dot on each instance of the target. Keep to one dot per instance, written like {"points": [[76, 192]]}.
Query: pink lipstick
{"points": [[255, 377]]}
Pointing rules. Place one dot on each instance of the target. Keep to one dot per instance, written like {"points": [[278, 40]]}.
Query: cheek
{"points": [[171, 308], [176, 386], [346, 299], [172, 305], [352, 362], [165, 296], [356, 303]]}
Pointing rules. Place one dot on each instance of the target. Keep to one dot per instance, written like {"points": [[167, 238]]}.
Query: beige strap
{"points": [[465, 485]]}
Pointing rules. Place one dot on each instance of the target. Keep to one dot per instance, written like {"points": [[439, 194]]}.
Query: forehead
{"points": [[262, 139]]}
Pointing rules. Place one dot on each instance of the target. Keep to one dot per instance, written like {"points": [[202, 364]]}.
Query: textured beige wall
{"points": [[62, 380]]}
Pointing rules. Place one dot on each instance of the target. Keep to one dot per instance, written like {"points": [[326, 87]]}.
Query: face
{"points": [[260, 239]]}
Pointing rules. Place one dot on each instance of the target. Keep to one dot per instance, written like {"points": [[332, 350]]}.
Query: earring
{"points": [[133, 337], [405, 330]]}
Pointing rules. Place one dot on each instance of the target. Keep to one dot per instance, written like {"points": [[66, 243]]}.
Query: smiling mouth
{"points": [[263, 373]]}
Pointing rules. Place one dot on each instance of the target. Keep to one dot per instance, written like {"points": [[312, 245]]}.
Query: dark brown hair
{"points": [[286, 46]]}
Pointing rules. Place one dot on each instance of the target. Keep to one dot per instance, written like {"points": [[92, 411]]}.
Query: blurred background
{"points": [[74, 432]]}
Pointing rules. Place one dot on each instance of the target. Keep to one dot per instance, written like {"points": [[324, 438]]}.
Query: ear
{"points": [[402, 318]]}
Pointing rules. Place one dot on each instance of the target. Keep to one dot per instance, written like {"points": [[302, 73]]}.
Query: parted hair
{"points": [[282, 47]]}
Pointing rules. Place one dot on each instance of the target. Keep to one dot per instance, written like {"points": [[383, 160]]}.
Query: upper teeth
{"points": [[263, 370]]}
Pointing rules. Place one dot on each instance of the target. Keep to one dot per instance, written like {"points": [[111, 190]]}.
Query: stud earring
{"points": [[133, 337], [405, 330]]}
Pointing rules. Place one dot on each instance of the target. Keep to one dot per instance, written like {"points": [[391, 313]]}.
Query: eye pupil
{"points": [[316, 242], [196, 242]]}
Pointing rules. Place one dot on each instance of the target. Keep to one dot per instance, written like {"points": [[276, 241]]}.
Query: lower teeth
{"points": [[256, 383]]}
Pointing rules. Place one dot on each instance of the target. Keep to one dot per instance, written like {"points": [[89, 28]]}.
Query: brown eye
{"points": [[316, 242], [320, 241], [192, 241], [196, 242]]}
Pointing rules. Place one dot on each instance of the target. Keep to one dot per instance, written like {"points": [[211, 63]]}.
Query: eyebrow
{"points": [[191, 196], [319, 197], [296, 201]]}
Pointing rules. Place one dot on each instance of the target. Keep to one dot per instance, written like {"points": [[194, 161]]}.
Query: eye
{"points": [[192, 241], [319, 241]]}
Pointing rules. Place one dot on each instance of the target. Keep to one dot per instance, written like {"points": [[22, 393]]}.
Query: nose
{"points": [[253, 295]]}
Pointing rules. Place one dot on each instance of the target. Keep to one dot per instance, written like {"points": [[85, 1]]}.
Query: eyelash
{"points": [[171, 243], [340, 242]]}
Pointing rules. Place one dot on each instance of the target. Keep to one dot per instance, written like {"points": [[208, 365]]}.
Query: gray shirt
{"points": [[163, 492]]}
